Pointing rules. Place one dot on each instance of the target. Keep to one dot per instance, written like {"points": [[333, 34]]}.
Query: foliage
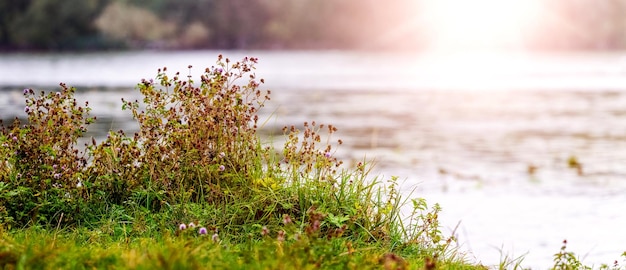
{"points": [[49, 24], [137, 26], [42, 249], [197, 157], [42, 167], [196, 148], [566, 260], [253, 24]]}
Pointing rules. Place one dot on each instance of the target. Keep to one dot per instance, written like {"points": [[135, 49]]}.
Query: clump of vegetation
{"points": [[564, 260], [42, 170], [197, 163]]}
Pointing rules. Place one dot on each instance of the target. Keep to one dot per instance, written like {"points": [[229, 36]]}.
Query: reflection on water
{"points": [[495, 133]]}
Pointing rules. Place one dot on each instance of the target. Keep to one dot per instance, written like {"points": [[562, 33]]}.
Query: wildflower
{"points": [[222, 168], [215, 237], [222, 154], [327, 154], [182, 226], [281, 236], [26, 91], [15, 138], [57, 175], [316, 225], [202, 230], [286, 219], [58, 94], [265, 231], [79, 184], [192, 225], [27, 109]]}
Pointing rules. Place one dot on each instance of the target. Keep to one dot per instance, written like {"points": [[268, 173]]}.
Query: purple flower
{"points": [[222, 168], [202, 231], [57, 175], [26, 91], [182, 226], [327, 154], [27, 109], [15, 138]]}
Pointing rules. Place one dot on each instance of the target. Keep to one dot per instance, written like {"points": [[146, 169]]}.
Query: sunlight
{"points": [[479, 24]]}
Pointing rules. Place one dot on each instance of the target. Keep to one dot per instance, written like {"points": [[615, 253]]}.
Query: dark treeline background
{"points": [[45, 25]]}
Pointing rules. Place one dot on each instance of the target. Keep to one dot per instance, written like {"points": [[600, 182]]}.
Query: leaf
{"points": [[337, 221]]}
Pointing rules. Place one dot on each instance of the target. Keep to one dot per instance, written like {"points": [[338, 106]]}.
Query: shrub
{"points": [[43, 170], [197, 156]]}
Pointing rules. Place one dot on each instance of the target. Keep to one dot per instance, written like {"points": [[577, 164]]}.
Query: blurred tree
{"points": [[300, 24], [10, 10], [362, 24], [135, 25], [237, 24], [49, 24], [191, 18]]}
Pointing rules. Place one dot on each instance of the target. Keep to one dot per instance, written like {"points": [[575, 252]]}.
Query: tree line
{"points": [[272, 24]]}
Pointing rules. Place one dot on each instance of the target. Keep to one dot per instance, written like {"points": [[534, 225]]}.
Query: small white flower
{"points": [[79, 184], [192, 225]]}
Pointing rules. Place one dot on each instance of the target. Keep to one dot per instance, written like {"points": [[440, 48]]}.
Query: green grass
{"points": [[36, 248]]}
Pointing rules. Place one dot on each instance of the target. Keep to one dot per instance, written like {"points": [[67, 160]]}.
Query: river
{"points": [[487, 136]]}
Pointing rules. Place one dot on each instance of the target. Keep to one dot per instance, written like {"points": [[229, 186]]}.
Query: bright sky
{"points": [[479, 24]]}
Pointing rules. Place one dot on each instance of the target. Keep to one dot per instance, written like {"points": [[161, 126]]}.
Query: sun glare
{"points": [[461, 25]]}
